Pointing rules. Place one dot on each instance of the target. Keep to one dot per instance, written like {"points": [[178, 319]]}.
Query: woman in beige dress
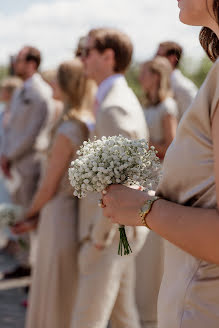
{"points": [[187, 214], [161, 109], [54, 281]]}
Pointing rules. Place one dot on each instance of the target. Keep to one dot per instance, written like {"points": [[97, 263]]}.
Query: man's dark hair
{"points": [[33, 54], [119, 42], [172, 48]]}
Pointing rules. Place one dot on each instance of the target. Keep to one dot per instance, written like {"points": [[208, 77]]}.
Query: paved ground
{"points": [[12, 313]]}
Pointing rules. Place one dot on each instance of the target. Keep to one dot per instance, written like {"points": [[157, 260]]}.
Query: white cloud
{"points": [[55, 27]]}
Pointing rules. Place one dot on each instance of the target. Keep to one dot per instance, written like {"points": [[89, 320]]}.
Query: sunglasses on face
{"points": [[85, 52]]}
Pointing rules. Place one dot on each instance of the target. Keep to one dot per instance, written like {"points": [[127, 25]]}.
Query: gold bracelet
{"points": [[145, 209]]}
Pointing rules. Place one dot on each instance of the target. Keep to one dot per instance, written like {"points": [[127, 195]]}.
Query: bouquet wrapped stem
{"points": [[124, 247], [114, 160]]}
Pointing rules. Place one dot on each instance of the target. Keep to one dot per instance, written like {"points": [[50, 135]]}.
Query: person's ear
{"points": [[173, 60], [109, 57]]}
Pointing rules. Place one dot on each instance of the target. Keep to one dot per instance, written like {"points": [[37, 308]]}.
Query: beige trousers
{"points": [[106, 289]]}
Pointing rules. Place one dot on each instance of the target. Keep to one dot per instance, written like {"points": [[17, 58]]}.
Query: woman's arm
{"points": [[169, 127], [61, 154], [195, 230]]}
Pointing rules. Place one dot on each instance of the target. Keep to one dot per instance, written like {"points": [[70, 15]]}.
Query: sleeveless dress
{"points": [[189, 294], [54, 280], [154, 116], [150, 258]]}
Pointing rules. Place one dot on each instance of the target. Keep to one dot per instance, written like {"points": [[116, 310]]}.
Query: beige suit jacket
{"points": [[32, 110], [119, 113]]}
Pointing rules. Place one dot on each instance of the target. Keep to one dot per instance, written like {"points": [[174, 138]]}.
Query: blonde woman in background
{"points": [[55, 276], [161, 111]]}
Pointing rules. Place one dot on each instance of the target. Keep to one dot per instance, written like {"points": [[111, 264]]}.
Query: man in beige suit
{"points": [[28, 130], [106, 280], [184, 89]]}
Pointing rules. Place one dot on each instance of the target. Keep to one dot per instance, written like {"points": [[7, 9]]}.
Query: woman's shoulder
{"points": [[74, 129], [210, 89]]}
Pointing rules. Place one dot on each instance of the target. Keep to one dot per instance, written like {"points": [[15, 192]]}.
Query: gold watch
{"points": [[145, 209]]}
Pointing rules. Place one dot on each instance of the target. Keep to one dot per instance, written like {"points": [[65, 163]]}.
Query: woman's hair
{"points": [[72, 82], [208, 39], [162, 67]]}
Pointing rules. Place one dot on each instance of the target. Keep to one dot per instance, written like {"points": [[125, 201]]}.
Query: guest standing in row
{"points": [[106, 57], [54, 282], [27, 135], [184, 89], [161, 110]]}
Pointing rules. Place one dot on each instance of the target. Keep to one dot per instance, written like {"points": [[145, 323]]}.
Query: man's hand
{"points": [[25, 226], [99, 247], [5, 166]]}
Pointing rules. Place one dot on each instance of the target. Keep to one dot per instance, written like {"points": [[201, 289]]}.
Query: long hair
{"points": [[72, 83], [161, 66], [208, 39]]}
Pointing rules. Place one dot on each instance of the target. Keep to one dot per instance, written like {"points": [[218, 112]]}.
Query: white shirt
{"points": [[105, 86], [28, 83]]}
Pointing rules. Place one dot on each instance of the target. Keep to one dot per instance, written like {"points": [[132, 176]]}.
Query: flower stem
{"points": [[124, 247]]}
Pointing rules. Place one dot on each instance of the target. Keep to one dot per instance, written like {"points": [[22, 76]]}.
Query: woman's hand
{"points": [[122, 204], [24, 226]]}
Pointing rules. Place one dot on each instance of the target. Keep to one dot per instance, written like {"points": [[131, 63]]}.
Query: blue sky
{"points": [[54, 26], [10, 7]]}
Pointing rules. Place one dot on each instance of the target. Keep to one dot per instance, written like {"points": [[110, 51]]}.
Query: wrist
{"points": [[154, 212], [146, 209]]}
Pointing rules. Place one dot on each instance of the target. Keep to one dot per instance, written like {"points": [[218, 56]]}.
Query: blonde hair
{"points": [[161, 66], [72, 82]]}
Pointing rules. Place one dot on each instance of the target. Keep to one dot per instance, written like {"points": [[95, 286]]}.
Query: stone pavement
{"points": [[12, 313]]}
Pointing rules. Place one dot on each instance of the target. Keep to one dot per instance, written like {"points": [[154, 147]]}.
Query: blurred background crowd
{"points": [[46, 114]]}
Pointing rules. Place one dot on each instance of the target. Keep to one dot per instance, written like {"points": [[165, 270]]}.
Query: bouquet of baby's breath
{"points": [[9, 215], [114, 160]]}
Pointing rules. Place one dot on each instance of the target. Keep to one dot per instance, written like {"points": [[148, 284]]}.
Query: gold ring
{"points": [[100, 203]]}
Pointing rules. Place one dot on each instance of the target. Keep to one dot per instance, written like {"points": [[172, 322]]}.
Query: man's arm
{"points": [[21, 135]]}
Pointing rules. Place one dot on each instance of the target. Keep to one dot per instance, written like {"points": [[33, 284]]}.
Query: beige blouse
{"points": [[189, 295]]}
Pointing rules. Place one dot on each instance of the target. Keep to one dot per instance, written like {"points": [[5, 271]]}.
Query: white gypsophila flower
{"points": [[113, 160], [9, 214]]}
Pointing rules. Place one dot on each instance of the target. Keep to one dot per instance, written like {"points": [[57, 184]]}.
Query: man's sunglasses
{"points": [[85, 52]]}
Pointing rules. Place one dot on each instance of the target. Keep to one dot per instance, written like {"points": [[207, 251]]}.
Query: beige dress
{"points": [[189, 295], [55, 276], [150, 258], [154, 116]]}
